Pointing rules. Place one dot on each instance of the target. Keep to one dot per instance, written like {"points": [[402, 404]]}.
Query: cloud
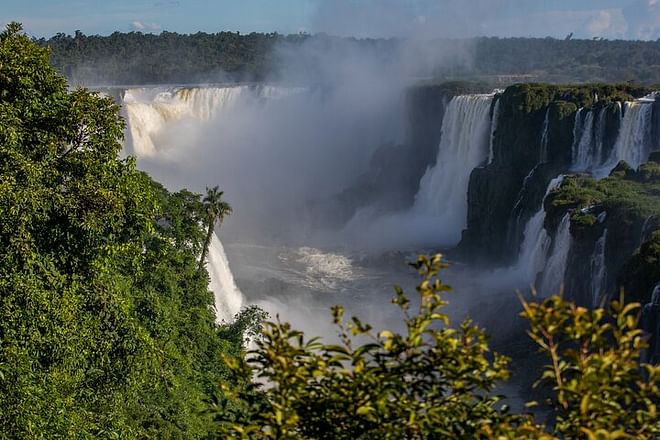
{"points": [[467, 18], [643, 18], [607, 23], [143, 26]]}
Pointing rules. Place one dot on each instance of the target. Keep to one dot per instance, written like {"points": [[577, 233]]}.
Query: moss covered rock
{"points": [[627, 205], [503, 195]]}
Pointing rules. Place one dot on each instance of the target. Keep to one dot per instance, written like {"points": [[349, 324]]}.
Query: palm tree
{"points": [[216, 210]]}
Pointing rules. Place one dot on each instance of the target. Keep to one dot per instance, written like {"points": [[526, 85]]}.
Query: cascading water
{"points": [[536, 241], [555, 268], [149, 111], [442, 195], [517, 212], [634, 141], [535, 247], [544, 137], [583, 150], [589, 135], [598, 270], [493, 128], [515, 218], [228, 298]]}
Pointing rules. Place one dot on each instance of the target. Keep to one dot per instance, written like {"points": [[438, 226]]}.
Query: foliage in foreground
{"points": [[434, 380], [106, 321]]}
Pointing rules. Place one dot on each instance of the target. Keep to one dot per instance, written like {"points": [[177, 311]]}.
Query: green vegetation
{"points": [[136, 58], [216, 211], [107, 328], [629, 195], [627, 204], [517, 150], [642, 271], [434, 380], [531, 97], [106, 323]]}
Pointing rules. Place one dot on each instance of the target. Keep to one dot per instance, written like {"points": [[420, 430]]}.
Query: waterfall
{"points": [[583, 141], [588, 140], [493, 128], [544, 137], [464, 145], [228, 299], [555, 268], [148, 111], [513, 226], [534, 249], [536, 241], [598, 270], [634, 141]]}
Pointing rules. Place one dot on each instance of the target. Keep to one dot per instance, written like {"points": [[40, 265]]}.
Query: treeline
{"points": [[136, 58], [566, 61]]}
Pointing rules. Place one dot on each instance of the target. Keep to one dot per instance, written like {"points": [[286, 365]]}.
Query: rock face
{"points": [[532, 144], [395, 171], [623, 211], [546, 131], [656, 123], [540, 132]]}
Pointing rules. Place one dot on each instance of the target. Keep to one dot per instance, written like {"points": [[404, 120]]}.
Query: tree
{"points": [[216, 211], [106, 321], [602, 390], [434, 380]]}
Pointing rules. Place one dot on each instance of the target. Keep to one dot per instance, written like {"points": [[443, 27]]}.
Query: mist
{"points": [[281, 152], [285, 149]]}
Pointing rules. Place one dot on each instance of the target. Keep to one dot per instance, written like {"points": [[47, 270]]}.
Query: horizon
{"points": [[421, 19]]}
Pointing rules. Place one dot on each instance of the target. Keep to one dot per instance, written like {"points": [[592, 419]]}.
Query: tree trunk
{"points": [[207, 242]]}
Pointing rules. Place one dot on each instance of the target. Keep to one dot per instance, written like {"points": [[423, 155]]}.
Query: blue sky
{"points": [[362, 18]]}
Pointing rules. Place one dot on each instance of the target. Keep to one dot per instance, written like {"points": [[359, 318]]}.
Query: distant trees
{"points": [[136, 58], [216, 211]]}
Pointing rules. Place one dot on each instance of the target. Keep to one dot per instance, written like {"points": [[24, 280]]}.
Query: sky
{"points": [[613, 19]]}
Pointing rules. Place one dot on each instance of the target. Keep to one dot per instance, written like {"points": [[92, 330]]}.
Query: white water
{"points": [[534, 249], [149, 111], [493, 129], [632, 144], [634, 140], [583, 148], [555, 269], [544, 137], [589, 137], [598, 270], [516, 212], [536, 241], [152, 113], [464, 145], [228, 299], [325, 271]]}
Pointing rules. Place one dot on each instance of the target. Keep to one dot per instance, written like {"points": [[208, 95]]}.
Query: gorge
{"points": [[479, 175]]}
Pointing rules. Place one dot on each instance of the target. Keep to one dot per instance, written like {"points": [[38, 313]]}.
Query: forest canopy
{"points": [[137, 58]]}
